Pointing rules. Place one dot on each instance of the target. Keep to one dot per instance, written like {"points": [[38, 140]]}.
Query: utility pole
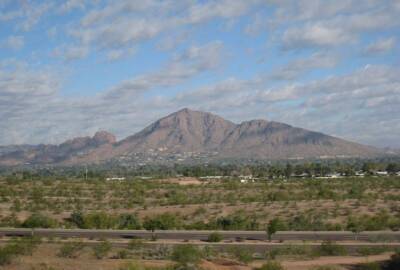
{"points": [[86, 172]]}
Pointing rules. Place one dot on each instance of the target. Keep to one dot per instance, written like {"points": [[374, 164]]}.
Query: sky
{"points": [[71, 68]]}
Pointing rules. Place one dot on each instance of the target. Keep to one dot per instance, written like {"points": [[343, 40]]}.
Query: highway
{"points": [[378, 236]]}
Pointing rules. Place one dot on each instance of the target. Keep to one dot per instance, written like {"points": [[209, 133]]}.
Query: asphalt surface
{"points": [[379, 236]]}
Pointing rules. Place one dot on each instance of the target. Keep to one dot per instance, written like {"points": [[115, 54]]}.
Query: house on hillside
{"points": [[382, 173]]}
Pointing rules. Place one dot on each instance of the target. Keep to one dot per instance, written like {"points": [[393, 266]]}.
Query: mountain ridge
{"points": [[188, 134]]}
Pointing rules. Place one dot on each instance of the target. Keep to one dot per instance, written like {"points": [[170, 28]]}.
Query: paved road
{"points": [[381, 236]]}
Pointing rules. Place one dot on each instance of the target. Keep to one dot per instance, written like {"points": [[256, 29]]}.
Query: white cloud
{"points": [[126, 24], [13, 42], [52, 32], [298, 67], [69, 5], [355, 106], [11, 15], [32, 13], [317, 34], [381, 46], [70, 53], [360, 104], [316, 23], [193, 61]]}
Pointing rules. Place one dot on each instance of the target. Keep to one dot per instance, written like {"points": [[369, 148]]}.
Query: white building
{"points": [[115, 179], [360, 174], [216, 177]]}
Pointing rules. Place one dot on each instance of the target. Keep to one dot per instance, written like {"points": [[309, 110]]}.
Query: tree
{"points": [[355, 226], [368, 167], [215, 237], [77, 218], [288, 170], [393, 168], [394, 262], [273, 226]]}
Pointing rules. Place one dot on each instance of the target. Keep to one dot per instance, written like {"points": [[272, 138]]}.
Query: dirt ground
{"points": [[184, 181], [45, 258], [340, 262]]}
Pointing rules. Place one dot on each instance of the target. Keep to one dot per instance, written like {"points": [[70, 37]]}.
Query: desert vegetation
{"points": [[368, 203], [272, 199]]}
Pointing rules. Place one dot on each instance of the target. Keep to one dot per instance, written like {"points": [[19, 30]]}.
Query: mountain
{"points": [[192, 135], [54, 154]]}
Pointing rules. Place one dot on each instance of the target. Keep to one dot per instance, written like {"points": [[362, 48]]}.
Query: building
{"points": [[382, 173], [303, 175], [216, 177], [115, 179], [360, 174]]}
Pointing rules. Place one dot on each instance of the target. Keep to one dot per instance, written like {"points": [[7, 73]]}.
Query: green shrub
{"points": [[5, 256], [303, 251], [37, 220], [271, 265], [70, 250], [129, 222], [186, 254], [22, 246], [101, 249], [135, 244], [166, 221], [132, 266], [243, 254], [329, 248], [122, 254], [371, 266], [367, 251], [325, 267], [215, 237], [99, 220]]}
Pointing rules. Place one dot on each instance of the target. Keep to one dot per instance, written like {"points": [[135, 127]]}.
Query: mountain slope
{"points": [[188, 134], [193, 133], [55, 154], [273, 140], [182, 131]]}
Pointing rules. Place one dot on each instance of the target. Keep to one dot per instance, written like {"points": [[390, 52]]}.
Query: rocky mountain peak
{"points": [[103, 137]]}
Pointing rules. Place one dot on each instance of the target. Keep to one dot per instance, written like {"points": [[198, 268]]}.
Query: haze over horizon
{"points": [[71, 68]]}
